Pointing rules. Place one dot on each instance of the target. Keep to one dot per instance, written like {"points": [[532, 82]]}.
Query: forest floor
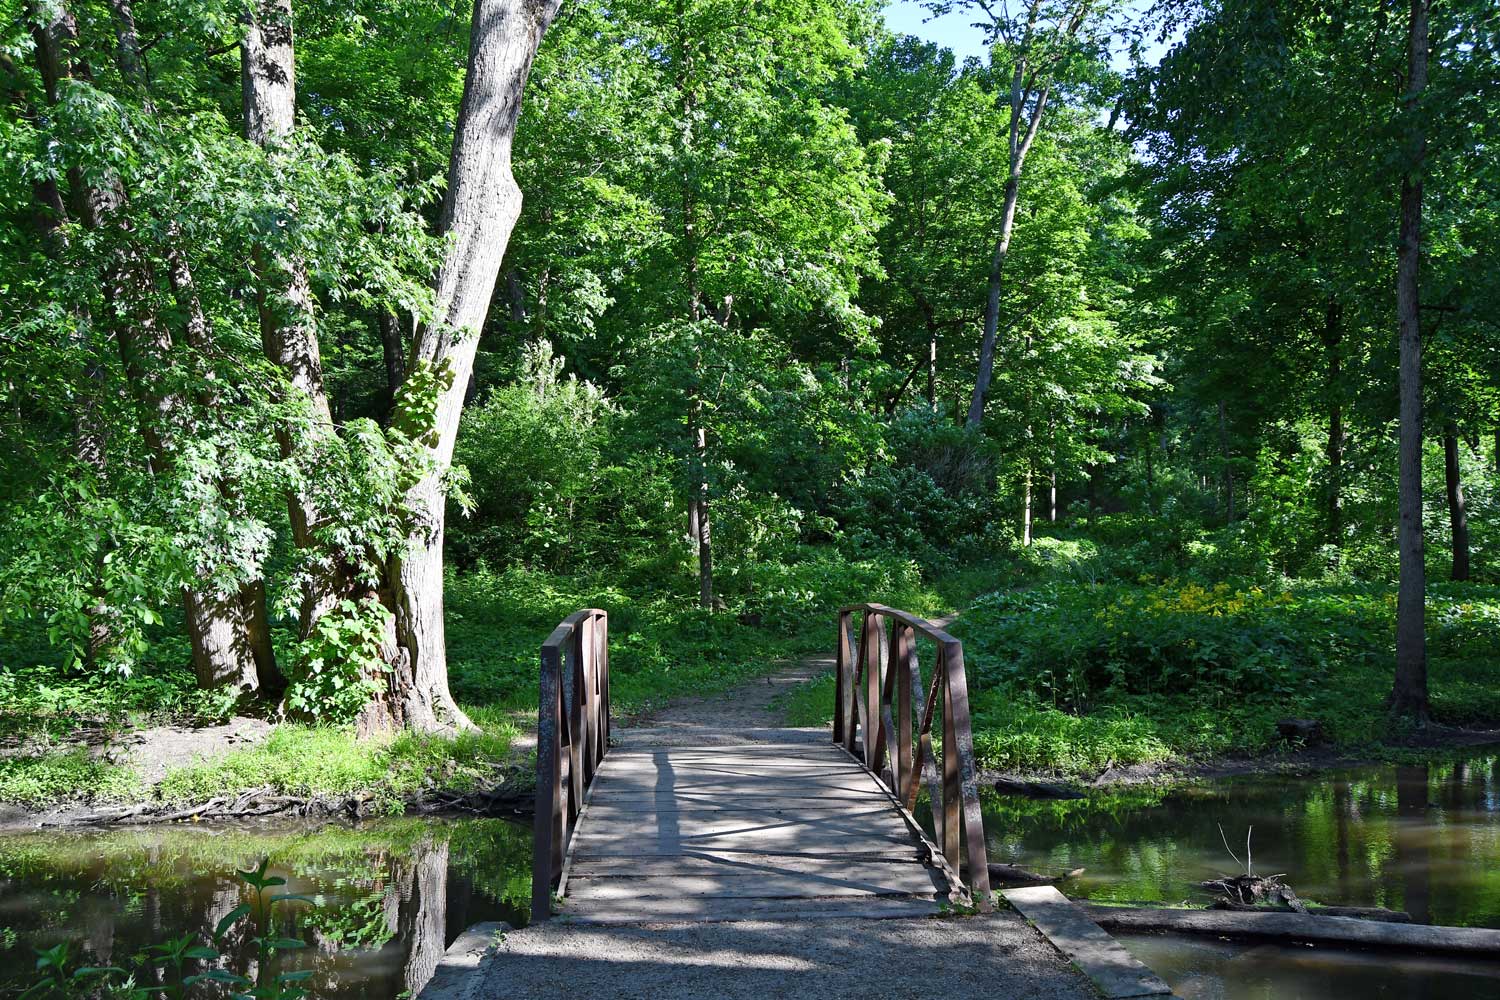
{"points": [[1068, 610]]}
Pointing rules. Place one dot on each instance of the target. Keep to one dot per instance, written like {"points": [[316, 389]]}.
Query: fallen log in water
{"points": [[1300, 928], [1016, 875], [1035, 789]]}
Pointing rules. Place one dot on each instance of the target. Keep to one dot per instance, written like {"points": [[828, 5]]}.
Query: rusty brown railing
{"points": [[879, 695], [572, 737]]}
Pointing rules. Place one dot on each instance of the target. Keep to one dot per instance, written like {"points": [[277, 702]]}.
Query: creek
{"points": [[392, 894]]}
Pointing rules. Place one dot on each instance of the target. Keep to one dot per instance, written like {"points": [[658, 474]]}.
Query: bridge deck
{"points": [[771, 828]]}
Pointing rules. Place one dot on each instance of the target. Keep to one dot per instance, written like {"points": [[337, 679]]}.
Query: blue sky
{"points": [[955, 30]]}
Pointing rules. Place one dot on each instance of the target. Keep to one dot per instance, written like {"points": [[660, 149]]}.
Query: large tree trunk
{"points": [[705, 521], [700, 519], [422, 915], [932, 361], [1026, 504], [1332, 337], [1409, 690], [1458, 514], [1228, 469], [393, 352], [54, 33], [1412, 840], [283, 294], [479, 212]]}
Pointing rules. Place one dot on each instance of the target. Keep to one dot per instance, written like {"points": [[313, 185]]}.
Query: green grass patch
{"points": [[68, 776], [809, 703], [311, 760], [1016, 736]]}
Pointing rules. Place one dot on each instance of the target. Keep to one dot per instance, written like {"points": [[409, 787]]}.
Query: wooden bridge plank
{"points": [[708, 909], [746, 865], [715, 833], [871, 880], [616, 809]]}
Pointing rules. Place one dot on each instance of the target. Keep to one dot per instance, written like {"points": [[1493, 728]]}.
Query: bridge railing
{"points": [[884, 715], [572, 737]]}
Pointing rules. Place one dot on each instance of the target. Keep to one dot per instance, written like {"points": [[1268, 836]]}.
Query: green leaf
{"points": [[231, 918]]}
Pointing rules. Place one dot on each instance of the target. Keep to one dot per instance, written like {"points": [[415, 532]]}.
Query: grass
{"points": [[661, 647], [70, 775], [312, 761]]}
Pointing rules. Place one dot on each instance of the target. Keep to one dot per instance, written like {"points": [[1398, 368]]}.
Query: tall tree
{"points": [[479, 211], [1409, 691], [1041, 48]]}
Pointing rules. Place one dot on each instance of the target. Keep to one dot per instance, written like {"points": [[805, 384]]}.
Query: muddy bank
{"points": [[511, 798]]}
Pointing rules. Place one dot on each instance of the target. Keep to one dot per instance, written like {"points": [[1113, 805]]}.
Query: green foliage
{"points": [[337, 668], [66, 776], [1177, 669], [1017, 735], [541, 490]]}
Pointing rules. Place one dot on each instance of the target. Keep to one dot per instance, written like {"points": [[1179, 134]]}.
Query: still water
{"points": [[1204, 968], [1423, 838], [391, 895]]}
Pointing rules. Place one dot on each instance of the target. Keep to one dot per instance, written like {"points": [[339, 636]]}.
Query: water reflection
{"points": [[1423, 838], [392, 895]]}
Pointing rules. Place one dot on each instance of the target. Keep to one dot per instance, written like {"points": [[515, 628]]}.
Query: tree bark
{"points": [[1228, 469], [705, 523], [479, 212], [393, 353], [1332, 339], [1019, 147], [932, 359], [214, 624], [700, 521], [1458, 514], [1026, 505], [422, 915], [283, 294], [1409, 690], [1411, 839]]}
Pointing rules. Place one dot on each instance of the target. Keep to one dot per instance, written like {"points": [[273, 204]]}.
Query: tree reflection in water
{"points": [[1422, 837], [392, 895]]}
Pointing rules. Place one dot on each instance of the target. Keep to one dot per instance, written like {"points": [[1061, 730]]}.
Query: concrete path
{"points": [[923, 959]]}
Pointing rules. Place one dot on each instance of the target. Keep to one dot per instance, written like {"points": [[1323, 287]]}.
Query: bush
{"points": [[901, 510], [1210, 669], [1073, 645], [532, 451]]}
